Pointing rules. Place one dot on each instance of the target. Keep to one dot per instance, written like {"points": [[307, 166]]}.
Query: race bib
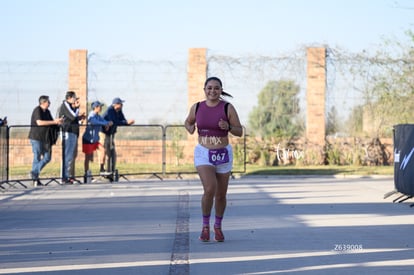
{"points": [[218, 156]]}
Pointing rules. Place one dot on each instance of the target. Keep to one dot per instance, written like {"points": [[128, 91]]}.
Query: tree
{"points": [[355, 121], [276, 114], [389, 87], [332, 124]]}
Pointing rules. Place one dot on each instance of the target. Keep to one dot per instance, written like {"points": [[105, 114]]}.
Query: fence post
{"points": [[164, 151]]}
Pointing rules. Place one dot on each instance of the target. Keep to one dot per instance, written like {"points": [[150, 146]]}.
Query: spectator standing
{"points": [[70, 128], [90, 139], [115, 114], [3, 121], [82, 117], [43, 134]]}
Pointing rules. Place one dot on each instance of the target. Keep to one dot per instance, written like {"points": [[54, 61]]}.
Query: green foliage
{"points": [[388, 91], [276, 114], [334, 154], [332, 123], [354, 123], [320, 170], [177, 135], [238, 153]]}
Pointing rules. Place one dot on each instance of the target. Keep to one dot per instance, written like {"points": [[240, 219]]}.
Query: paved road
{"points": [[288, 225]]}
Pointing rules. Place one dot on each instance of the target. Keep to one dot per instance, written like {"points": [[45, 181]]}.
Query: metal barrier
{"points": [[139, 150], [179, 147], [4, 131], [20, 158], [152, 150]]}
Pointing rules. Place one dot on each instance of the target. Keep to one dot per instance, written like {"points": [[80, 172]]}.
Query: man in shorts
{"points": [[90, 139]]}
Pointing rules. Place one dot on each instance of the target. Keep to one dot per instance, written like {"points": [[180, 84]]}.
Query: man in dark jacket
{"points": [[113, 113], [3, 121], [70, 128]]}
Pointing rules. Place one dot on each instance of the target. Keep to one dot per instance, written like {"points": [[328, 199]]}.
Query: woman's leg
{"points": [[220, 204], [208, 178], [207, 175], [221, 193]]}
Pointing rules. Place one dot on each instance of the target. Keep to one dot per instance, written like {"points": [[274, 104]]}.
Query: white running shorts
{"points": [[221, 158]]}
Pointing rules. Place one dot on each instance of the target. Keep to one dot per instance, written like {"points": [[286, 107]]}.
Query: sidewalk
{"points": [[294, 225]]}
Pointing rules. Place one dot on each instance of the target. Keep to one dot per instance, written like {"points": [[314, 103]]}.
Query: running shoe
{"points": [[218, 234], [205, 234]]}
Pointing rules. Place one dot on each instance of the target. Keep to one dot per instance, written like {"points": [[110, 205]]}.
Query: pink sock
{"points": [[206, 220], [217, 223]]}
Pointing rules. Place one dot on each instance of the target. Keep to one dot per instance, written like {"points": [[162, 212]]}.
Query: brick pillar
{"points": [[78, 76], [78, 82], [316, 87], [196, 75]]}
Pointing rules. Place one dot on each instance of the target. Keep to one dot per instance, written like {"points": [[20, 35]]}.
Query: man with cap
{"points": [[3, 121], [90, 139], [113, 113], [70, 128]]}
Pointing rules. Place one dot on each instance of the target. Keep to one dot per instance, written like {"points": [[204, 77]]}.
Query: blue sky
{"points": [[162, 29], [43, 31]]}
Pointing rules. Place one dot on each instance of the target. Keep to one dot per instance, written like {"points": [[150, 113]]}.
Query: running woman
{"points": [[213, 155]]}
